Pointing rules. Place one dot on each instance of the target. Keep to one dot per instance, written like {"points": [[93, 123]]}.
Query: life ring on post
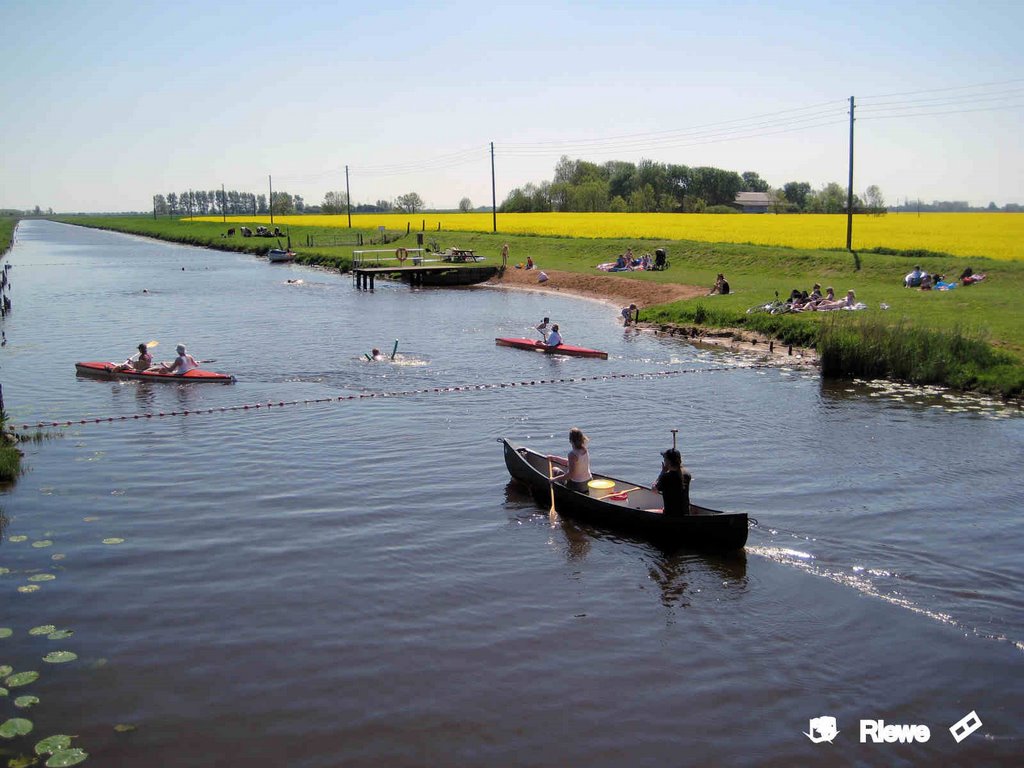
{"points": [[401, 254]]}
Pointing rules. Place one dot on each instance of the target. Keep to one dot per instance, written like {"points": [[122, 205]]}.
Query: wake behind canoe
{"points": [[102, 370], [561, 349]]}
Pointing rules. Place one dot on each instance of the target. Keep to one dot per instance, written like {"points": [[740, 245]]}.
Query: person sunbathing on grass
{"points": [[845, 303]]}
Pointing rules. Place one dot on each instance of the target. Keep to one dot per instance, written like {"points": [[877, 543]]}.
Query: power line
{"points": [[944, 112], [942, 90]]}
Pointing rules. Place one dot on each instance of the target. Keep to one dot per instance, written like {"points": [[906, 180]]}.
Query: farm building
{"points": [[753, 202]]}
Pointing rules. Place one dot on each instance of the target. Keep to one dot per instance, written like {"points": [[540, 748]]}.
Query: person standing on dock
{"points": [[504, 255]]}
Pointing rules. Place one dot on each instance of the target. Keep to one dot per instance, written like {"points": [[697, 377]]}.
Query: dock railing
{"points": [[398, 257]]}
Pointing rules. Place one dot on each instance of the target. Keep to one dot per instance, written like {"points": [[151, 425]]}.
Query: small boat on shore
{"points": [[540, 346], [626, 506], [278, 256], [109, 371]]}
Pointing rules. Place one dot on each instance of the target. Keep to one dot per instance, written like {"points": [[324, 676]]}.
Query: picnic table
{"points": [[461, 255]]}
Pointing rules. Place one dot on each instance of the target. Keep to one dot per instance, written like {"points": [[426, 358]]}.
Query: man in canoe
{"points": [[182, 364], [140, 362], [554, 338], [542, 328], [674, 484]]}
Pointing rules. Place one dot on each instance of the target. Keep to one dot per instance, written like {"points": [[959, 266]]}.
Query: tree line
{"points": [[650, 187], [216, 202]]}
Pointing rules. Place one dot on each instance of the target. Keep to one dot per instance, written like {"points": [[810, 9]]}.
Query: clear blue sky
{"points": [[106, 103]]}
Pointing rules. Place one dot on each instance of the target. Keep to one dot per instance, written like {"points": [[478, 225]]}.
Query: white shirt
{"points": [[554, 339], [184, 363], [581, 467]]}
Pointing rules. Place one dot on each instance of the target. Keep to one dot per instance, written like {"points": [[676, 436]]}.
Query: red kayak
{"points": [[107, 371], [561, 349]]}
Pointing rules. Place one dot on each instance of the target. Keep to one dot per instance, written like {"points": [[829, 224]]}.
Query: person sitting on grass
{"points": [[913, 280], [721, 286]]}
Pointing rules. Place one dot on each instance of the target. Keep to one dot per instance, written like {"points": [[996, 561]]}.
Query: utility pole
{"points": [[494, 196], [849, 189], [154, 207], [224, 203], [348, 199], [271, 183]]}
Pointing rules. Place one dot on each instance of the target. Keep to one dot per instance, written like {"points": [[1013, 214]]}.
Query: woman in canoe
{"points": [[577, 472], [674, 484], [182, 364], [140, 362]]}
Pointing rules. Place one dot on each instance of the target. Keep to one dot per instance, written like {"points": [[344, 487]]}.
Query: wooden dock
{"points": [[419, 275]]}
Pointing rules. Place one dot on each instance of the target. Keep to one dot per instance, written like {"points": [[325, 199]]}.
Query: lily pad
{"points": [[60, 634], [52, 744], [58, 557], [17, 539], [6, 632], [66, 757], [20, 679], [5, 670], [16, 726], [24, 702], [29, 588], [42, 543], [125, 727], [90, 519], [4, 570], [3, 691], [22, 761], [113, 540], [59, 657], [42, 577], [43, 629]]}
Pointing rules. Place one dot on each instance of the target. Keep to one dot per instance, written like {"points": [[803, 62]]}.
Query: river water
{"points": [[357, 583]]}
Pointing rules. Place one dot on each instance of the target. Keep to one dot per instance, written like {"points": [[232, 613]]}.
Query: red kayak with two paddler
{"points": [[110, 371]]}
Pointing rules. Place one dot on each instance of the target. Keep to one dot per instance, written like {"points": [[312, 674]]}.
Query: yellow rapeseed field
{"points": [[997, 235]]}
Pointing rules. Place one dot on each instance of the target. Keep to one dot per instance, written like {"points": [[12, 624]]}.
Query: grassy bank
{"points": [[10, 456], [986, 316], [7, 225]]}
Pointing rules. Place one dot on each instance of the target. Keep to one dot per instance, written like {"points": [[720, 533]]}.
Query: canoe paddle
{"points": [[151, 344], [618, 493], [551, 485], [394, 349]]}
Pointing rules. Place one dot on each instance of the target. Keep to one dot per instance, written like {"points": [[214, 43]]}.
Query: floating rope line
{"points": [[371, 395]]}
